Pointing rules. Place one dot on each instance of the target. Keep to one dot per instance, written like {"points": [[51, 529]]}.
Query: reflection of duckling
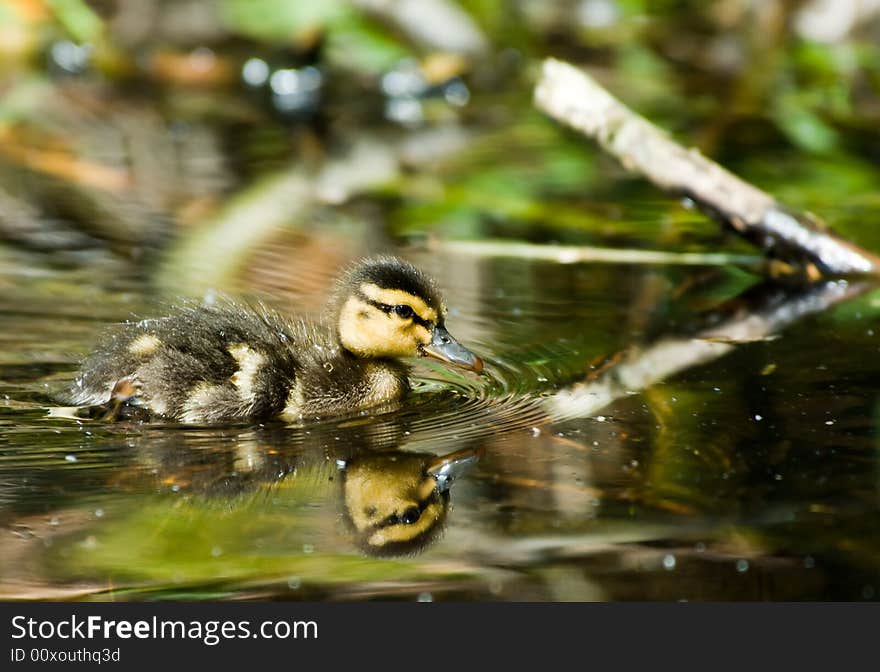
{"points": [[228, 362], [392, 502], [397, 502]]}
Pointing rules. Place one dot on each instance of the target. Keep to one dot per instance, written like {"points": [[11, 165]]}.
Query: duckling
{"points": [[388, 500], [231, 362]]}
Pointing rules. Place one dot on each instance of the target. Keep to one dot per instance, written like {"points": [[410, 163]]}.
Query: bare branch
{"points": [[571, 96]]}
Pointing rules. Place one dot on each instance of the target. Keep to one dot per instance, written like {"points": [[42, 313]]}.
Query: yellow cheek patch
{"points": [[425, 488], [368, 332], [395, 297], [421, 334], [400, 343], [144, 345], [430, 517]]}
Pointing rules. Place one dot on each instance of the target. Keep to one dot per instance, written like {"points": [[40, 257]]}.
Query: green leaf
{"points": [[281, 19], [802, 126], [78, 19], [358, 45]]}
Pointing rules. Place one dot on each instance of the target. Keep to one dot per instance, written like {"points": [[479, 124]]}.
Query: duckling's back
{"points": [[231, 362]]}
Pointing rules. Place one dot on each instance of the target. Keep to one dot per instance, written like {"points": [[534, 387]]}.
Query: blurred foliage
{"points": [[509, 175], [352, 39], [752, 84], [77, 18], [271, 20]]}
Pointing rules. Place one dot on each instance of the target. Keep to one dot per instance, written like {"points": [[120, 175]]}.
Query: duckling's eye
{"points": [[403, 312], [410, 516]]}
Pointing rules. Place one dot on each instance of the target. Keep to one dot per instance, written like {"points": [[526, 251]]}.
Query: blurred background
{"points": [[154, 150], [147, 131]]}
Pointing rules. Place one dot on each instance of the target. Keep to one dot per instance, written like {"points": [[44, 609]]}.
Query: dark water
{"points": [[750, 475]]}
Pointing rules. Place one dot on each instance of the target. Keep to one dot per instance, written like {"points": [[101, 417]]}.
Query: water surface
{"points": [[753, 476]]}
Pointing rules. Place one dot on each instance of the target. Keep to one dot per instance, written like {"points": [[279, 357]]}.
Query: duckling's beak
{"points": [[446, 468], [447, 349]]}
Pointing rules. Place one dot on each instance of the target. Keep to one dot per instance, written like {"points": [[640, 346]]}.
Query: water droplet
{"points": [[308, 549], [742, 565], [216, 552], [285, 81], [425, 597], [404, 82], [457, 93], [669, 562], [758, 418], [406, 111], [598, 14], [70, 57], [809, 562], [70, 458], [255, 72], [294, 582]]}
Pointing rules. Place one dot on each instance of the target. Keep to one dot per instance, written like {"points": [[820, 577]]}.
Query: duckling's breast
{"points": [[342, 383]]}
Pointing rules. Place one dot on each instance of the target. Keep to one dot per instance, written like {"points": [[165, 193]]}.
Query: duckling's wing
{"points": [[201, 364]]}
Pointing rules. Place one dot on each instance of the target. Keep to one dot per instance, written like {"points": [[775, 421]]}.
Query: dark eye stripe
{"points": [[385, 308], [395, 519]]}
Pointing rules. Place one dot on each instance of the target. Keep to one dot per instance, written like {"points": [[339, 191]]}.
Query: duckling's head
{"points": [[396, 503], [388, 308]]}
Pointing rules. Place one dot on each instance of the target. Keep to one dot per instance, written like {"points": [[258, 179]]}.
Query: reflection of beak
{"points": [[447, 468], [447, 349]]}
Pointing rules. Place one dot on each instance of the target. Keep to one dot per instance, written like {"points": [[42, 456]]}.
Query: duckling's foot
{"points": [[122, 405], [109, 411], [125, 389]]}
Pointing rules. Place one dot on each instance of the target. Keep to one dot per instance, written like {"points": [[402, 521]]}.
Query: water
{"points": [[750, 476]]}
